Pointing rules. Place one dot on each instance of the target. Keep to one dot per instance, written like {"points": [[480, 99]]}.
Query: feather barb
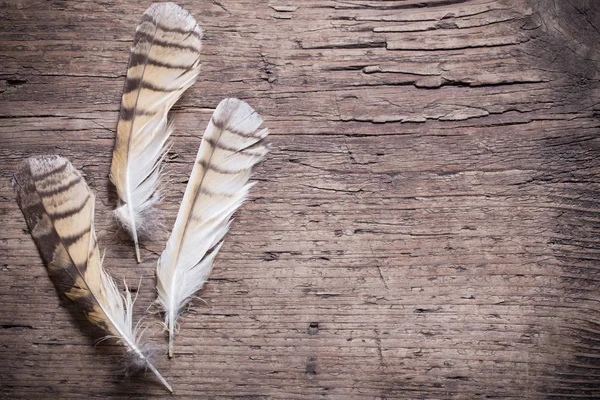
{"points": [[231, 146], [59, 210], [164, 63]]}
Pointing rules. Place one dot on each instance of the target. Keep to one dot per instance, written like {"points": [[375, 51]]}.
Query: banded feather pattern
{"points": [[59, 210], [218, 185], [164, 63]]}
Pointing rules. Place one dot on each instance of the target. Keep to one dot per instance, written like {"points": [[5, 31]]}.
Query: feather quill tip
{"points": [[123, 216], [148, 222], [160, 378], [145, 363]]}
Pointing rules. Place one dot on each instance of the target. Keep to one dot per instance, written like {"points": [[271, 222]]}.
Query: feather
{"points": [[164, 62], [59, 210], [218, 185]]}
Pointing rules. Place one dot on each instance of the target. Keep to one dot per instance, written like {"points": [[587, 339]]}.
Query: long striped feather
{"points": [[164, 62], [231, 146], [59, 210]]}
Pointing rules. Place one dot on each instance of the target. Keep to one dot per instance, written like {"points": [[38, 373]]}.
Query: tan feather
{"points": [[218, 185], [59, 210], [164, 62]]}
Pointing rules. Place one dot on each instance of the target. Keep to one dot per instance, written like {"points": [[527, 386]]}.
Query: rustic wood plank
{"points": [[427, 226]]}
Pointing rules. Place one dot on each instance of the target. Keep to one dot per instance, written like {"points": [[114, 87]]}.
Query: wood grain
{"points": [[427, 226]]}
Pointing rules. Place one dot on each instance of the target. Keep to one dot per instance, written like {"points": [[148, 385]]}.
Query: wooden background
{"points": [[427, 226]]}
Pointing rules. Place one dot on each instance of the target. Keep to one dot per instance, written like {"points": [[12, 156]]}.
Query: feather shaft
{"points": [[58, 207], [164, 63], [218, 185]]}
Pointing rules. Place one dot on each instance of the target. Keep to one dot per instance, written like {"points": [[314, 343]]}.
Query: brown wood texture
{"points": [[426, 227]]}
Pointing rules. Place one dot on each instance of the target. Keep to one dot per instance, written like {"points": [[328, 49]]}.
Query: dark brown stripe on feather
{"points": [[132, 84], [148, 38], [71, 212], [243, 134], [137, 59], [222, 125], [141, 59], [148, 18], [215, 168], [218, 144], [136, 83], [48, 174], [218, 123], [206, 191], [70, 240], [127, 114], [62, 188]]}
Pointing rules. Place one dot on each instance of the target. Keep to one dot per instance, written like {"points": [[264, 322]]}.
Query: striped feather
{"points": [[59, 210], [164, 62], [231, 146]]}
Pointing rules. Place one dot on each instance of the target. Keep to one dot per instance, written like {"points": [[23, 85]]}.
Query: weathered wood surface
{"points": [[427, 227]]}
